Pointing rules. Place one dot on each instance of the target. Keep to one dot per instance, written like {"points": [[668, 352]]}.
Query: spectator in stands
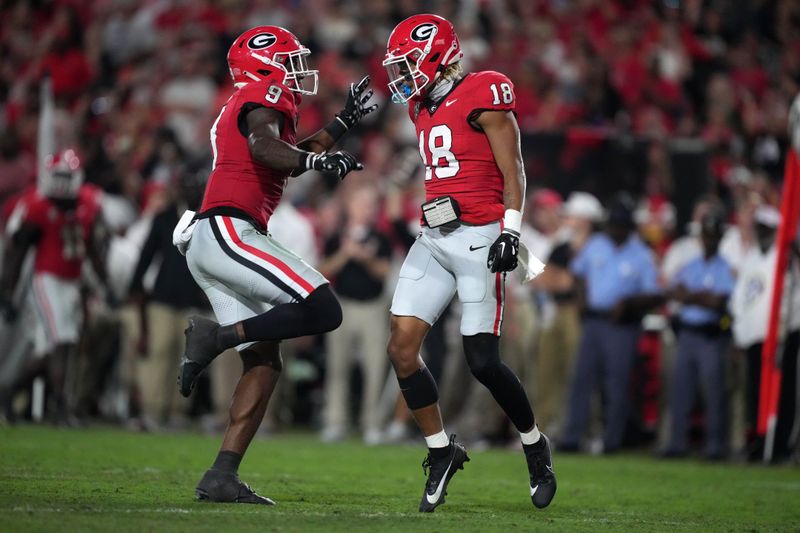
{"points": [[618, 284], [559, 337], [750, 306], [164, 309], [357, 261], [703, 287], [687, 248]]}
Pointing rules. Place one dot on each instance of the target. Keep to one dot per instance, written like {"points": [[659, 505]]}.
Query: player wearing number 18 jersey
{"points": [[261, 292], [474, 184]]}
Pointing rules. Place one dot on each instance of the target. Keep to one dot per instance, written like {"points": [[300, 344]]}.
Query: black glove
{"points": [[503, 253], [340, 163], [356, 106]]}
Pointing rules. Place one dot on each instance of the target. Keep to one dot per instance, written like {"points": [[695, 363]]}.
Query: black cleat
{"points": [[439, 472], [543, 478], [201, 349], [226, 487]]}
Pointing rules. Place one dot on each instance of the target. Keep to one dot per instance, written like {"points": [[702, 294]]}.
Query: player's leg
{"points": [[482, 295], [423, 291], [60, 304], [57, 362], [261, 368], [230, 253]]}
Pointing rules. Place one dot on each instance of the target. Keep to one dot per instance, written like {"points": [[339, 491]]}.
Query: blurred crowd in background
{"points": [[682, 104]]}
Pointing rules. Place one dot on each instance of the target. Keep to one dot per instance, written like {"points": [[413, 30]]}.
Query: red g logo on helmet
{"points": [[261, 41], [272, 52], [419, 48], [423, 32]]}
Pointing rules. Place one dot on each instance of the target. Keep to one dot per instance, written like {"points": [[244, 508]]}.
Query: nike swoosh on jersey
{"points": [[433, 498], [473, 248], [449, 102]]}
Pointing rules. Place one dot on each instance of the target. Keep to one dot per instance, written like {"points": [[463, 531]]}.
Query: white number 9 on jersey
{"points": [[273, 94], [505, 92]]}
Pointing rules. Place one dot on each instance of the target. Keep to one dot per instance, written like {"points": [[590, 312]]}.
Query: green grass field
{"points": [[111, 480]]}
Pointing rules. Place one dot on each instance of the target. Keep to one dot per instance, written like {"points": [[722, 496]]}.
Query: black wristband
{"points": [[336, 128], [307, 161]]}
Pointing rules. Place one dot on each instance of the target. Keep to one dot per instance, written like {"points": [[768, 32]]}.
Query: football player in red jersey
{"points": [[261, 292], [60, 219], [475, 185]]}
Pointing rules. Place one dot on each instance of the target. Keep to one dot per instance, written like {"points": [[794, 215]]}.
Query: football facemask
{"points": [[298, 75], [406, 80]]}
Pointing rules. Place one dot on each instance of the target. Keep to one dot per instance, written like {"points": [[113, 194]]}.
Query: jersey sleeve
{"points": [[490, 91], [269, 94]]}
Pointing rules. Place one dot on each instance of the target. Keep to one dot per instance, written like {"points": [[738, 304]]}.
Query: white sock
{"points": [[531, 437], [437, 440]]}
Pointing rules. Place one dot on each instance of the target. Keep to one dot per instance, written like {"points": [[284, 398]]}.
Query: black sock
{"points": [[227, 461], [439, 453]]}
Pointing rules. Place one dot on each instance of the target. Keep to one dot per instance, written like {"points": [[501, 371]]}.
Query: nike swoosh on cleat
{"points": [[433, 498], [533, 490]]}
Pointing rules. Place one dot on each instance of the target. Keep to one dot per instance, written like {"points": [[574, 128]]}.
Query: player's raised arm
{"points": [[502, 131], [263, 139], [355, 108]]}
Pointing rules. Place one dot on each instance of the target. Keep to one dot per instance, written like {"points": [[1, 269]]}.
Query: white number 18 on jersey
{"points": [[440, 142]]}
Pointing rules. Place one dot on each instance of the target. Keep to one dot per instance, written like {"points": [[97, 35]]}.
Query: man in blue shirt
{"points": [[618, 284], [703, 287]]}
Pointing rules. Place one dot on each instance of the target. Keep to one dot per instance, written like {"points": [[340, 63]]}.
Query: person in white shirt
{"points": [[750, 308]]}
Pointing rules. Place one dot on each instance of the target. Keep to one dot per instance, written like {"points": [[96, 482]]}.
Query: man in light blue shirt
{"points": [[619, 280], [703, 287]]}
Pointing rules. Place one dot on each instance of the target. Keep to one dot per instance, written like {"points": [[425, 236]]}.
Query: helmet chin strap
{"points": [[441, 86]]}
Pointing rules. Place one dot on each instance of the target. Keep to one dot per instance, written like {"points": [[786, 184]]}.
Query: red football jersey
{"points": [[237, 180], [63, 235], [458, 158]]}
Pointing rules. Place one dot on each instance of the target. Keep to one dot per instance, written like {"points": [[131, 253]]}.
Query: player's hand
{"points": [[356, 106], [340, 163], [503, 253]]}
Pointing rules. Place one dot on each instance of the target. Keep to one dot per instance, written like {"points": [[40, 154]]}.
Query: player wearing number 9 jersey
{"points": [[261, 292], [474, 185], [60, 221]]}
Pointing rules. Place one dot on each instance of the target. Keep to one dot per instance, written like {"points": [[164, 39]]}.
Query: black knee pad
{"points": [[482, 352], [325, 308], [419, 389]]}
